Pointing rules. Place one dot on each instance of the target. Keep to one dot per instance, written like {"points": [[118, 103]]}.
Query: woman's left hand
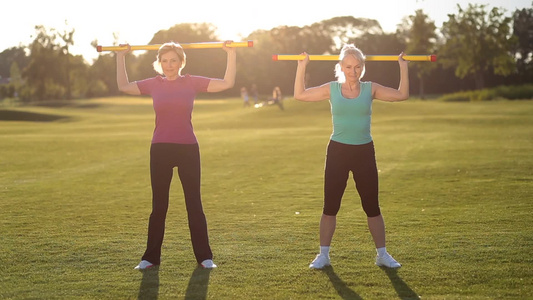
{"points": [[227, 48], [402, 61]]}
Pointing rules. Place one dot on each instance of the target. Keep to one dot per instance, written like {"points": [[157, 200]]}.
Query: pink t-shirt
{"points": [[173, 101]]}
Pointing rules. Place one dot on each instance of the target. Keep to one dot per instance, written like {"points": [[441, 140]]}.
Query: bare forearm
{"points": [[404, 82], [231, 70], [299, 82], [122, 75]]}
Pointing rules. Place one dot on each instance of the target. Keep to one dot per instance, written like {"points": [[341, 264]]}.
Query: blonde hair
{"points": [[349, 49], [165, 48]]}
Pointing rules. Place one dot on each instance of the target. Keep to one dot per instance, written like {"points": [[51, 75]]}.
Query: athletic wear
{"points": [[320, 262], [174, 144], [324, 250], [208, 264], [351, 149], [382, 251], [351, 117], [387, 261], [173, 101], [144, 264], [163, 158], [361, 161]]}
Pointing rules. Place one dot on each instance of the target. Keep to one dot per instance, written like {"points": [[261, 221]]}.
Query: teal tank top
{"points": [[351, 116]]}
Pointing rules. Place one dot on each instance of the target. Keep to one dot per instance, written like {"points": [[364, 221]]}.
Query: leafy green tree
{"points": [[102, 76], [11, 55], [79, 81], [16, 79], [52, 71], [523, 30], [43, 76], [68, 40], [477, 41], [420, 36]]}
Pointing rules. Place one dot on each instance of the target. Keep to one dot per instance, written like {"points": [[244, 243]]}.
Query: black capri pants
{"points": [[361, 161], [163, 158]]}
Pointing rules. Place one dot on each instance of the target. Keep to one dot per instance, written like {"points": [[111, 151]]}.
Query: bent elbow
{"points": [[402, 96], [226, 86], [124, 89], [127, 89], [298, 96]]}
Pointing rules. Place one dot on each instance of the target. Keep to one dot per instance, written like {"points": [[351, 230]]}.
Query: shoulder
{"points": [[148, 83], [195, 78], [334, 84], [157, 78], [368, 86], [199, 83]]}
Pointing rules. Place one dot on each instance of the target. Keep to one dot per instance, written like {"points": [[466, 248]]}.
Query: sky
{"points": [[135, 22]]}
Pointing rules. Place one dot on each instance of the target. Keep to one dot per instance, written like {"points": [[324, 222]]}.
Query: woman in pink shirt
{"points": [[174, 143]]}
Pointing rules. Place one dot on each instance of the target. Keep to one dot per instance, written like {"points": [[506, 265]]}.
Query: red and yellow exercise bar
{"points": [[430, 58], [201, 45]]}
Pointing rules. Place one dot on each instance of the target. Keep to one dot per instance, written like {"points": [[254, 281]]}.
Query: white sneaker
{"points": [[208, 264], [387, 261], [320, 262], [144, 264]]}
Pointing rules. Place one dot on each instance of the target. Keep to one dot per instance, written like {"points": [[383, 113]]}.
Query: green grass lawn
{"points": [[456, 191]]}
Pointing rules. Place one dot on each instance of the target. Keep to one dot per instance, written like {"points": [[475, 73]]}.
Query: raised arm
{"points": [[384, 93], [310, 94], [122, 76], [218, 85]]}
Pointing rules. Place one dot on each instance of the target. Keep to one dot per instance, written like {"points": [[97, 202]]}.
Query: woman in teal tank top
{"points": [[351, 148]]}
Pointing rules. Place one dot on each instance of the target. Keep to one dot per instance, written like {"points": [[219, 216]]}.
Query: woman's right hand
{"points": [[304, 61], [401, 61], [125, 51]]}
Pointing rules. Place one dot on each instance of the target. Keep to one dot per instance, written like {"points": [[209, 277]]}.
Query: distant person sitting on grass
{"points": [[351, 147], [277, 98], [174, 143]]}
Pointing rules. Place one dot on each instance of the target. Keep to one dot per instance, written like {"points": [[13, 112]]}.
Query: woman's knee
{"points": [[331, 209], [372, 210]]}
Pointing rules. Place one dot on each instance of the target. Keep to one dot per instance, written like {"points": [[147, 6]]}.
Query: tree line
{"points": [[477, 47]]}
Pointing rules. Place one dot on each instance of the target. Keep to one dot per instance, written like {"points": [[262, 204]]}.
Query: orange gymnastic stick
{"points": [[202, 45], [431, 58]]}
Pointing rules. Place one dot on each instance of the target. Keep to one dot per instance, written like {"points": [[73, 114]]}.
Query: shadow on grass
{"points": [[402, 289], [340, 286], [198, 284], [149, 288], [14, 115]]}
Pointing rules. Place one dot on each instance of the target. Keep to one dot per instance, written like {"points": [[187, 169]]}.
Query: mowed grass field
{"points": [[456, 191]]}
